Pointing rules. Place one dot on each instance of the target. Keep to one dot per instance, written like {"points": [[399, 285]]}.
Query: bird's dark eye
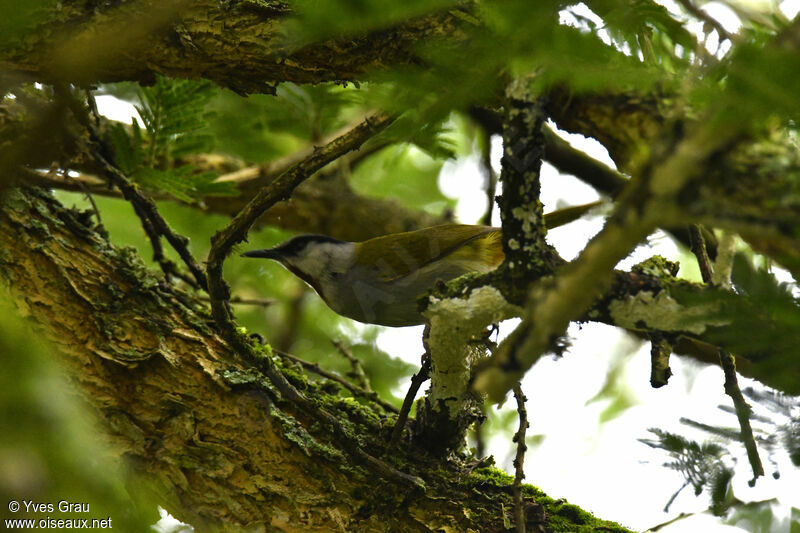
{"points": [[335, 275]]}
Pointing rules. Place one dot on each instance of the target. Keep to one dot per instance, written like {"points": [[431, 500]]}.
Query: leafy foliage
{"points": [[174, 116], [261, 128], [776, 429], [763, 320], [701, 465]]}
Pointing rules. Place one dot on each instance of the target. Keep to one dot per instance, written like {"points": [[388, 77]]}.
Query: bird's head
{"points": [[316, 259]]}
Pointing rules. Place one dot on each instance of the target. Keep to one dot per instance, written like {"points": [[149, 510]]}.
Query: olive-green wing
{"points": [[399, 254]]}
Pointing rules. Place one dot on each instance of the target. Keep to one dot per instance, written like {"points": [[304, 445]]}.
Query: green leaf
{"points": [[183, 182], [261, 128], [176, 119], [127, 147], [701, 465]]}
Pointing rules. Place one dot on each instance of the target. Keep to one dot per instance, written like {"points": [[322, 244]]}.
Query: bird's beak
{"points": [[269, 253]]}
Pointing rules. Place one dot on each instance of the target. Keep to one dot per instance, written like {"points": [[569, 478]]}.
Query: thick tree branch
{"points": [[239, 44]]}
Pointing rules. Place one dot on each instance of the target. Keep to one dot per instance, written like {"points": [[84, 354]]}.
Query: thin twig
{"points": [[416, 382], [519, 459], [85, 190], [726, 360], [700, 251], [154, 224], [357, 371], [675, 495], [743, 411], [491, 178], [155, 241], [708, 19], [263, 302], [355, 389], [669, 522]]}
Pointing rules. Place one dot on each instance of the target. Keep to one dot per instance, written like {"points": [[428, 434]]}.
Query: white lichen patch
{"points": [[527, 216], [455, 322], [662, 312]]}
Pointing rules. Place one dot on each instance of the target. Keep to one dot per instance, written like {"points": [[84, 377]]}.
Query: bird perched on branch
{"points": [[379, 280]]}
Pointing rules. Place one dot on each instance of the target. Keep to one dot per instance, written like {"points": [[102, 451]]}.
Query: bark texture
{"points": [[240, 44]]}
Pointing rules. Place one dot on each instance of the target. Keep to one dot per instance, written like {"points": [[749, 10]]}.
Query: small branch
{"points": [[698, 246], [491, 177], [357, 371], [720, 275], [708, 19], [154, 224], [743, 411], [521, 210], [569, 160], [416, 382], [263, 302], [724, 262], [519, 460], [660, 350], [85, 190], [355, 389]]}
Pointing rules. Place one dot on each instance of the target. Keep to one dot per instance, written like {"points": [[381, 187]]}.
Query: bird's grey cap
{"points": [[293, 246]]}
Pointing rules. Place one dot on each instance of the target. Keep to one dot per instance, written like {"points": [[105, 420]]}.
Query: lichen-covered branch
{"points": [[457, 325], [521, 210], [648, 203]]}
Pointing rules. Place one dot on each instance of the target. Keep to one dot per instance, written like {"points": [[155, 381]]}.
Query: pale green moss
{"points": [[657, 266]]}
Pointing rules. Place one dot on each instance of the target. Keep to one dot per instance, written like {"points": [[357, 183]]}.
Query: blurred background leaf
{"points": [[49, 450]]}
